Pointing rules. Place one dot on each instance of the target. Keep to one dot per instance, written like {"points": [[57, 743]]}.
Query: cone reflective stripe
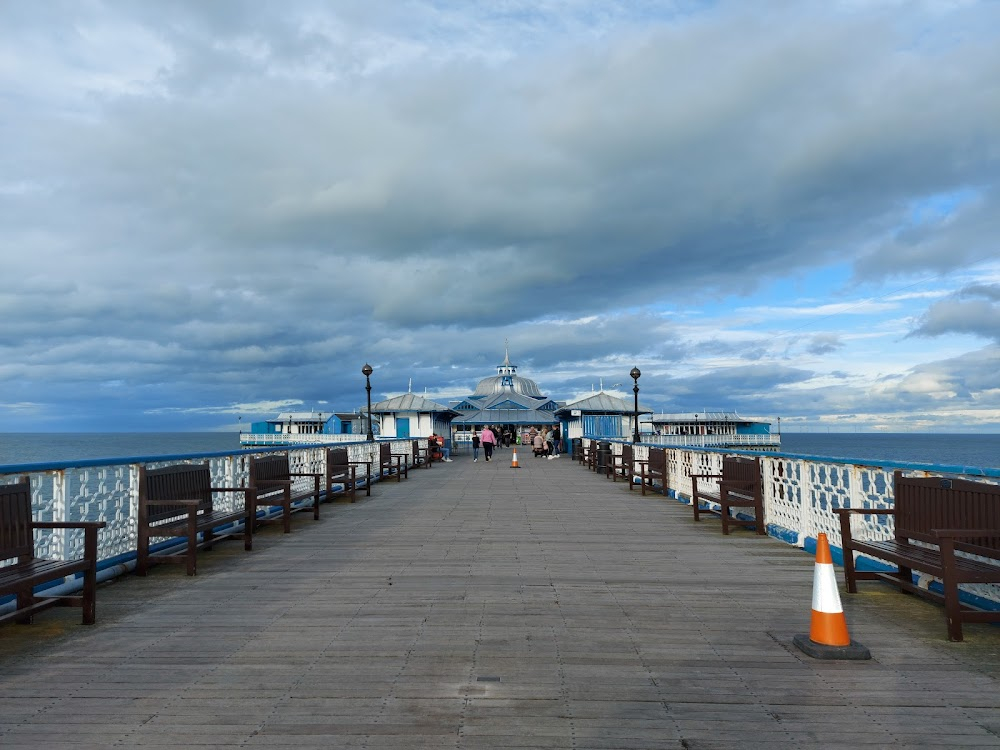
{"points": [[513, 460], [828, 626]]}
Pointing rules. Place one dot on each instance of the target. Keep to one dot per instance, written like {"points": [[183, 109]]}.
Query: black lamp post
{"points": [[321, 423], [367, 370], [635, 389]]}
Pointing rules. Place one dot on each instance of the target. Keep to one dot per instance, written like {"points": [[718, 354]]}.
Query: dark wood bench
{"points": [[341, 470], [177, 501], [651, 469], [938, 523], [273, 485], [20, 578], [738, 486], [588, 454], [422, 454], [392, 464], [623, 465]]}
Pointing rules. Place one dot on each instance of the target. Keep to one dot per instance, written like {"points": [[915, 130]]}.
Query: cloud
{"points": [[974, 310], [208, 204]]}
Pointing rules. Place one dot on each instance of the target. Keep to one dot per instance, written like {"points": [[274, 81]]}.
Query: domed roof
{"points": [[500, 383], [508, 380]]}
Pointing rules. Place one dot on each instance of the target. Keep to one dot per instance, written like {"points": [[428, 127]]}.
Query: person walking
{"points": [[556, 442], [489, 440], [475, 445]]}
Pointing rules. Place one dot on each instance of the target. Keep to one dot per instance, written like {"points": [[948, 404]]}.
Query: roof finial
{"points": [[506, 352]]}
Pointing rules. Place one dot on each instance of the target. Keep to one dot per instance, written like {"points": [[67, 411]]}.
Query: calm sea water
{"points": [[981, 451], [66, 446]]}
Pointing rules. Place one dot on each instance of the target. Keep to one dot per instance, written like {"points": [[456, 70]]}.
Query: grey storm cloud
{"points": [[973, 310], [234, 202]]}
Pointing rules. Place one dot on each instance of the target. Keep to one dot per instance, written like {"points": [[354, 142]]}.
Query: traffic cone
{"points": [[513, 459], [828, 637]]}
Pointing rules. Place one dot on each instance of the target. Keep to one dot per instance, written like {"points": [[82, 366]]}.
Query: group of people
{"points": [[487, 439], [546, 442]]}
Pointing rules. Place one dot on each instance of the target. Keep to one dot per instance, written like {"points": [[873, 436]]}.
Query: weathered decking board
{"points": [[610, 619]]}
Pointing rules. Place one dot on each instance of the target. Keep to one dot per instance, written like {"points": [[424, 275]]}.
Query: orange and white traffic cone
{"points": [[513, 460], [828, 637]]}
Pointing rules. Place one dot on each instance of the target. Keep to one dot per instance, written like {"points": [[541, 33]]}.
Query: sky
{"points": [[213, 212]]}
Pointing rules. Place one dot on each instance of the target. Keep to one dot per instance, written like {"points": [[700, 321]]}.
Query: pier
{"points": [[477, 606]]}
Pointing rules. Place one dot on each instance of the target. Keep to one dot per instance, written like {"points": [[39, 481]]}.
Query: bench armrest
{"points": [[865, 511], [306, 474], [705, 476], [228, 489], [186, 501]]}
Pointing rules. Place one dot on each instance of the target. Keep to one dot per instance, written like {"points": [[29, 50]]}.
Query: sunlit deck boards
{"points": [[610, 619]]}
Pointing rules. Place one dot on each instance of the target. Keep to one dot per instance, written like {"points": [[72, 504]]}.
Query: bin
{"points": [[577, 448], [603, 456]]}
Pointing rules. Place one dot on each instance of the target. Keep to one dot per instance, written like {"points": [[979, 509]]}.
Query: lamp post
{"points": [[321, 423], [634, 374], [367, 370]]}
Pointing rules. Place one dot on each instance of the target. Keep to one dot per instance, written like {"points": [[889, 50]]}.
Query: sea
{"points": [[46, 447], [982, 451]]}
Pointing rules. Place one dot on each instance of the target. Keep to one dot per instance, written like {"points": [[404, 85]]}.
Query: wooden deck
{"points": [[477, 606]]}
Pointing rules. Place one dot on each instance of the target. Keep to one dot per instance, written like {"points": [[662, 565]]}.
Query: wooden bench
{"points": [[738, 486], [273, 485], [177, 501], [653, 468], [341, 470], [588, 454], [422, 454], [959, 517], [623, 465], [27, 571], [392, 464]]}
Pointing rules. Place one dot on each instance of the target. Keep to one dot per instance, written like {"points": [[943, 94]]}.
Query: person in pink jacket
{"points": [[488, 439]]}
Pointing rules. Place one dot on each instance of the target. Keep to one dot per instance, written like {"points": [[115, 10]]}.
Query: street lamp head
{"points": [[366, 370], [635, 373]]}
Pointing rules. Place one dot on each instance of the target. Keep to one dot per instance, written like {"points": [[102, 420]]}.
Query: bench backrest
{"points": [[926, 503], [176, 482], [658, 461], [742, 470], [384, 453], [15, 521], [627, 454], [337, 463], [264, 468]]}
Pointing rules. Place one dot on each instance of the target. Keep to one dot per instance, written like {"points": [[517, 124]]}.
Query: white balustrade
{"points": [[109, 492], [801, 495]]}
